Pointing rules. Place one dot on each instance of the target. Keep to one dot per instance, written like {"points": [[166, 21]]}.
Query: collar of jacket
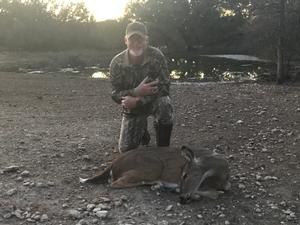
{"points": [[126, 62]]}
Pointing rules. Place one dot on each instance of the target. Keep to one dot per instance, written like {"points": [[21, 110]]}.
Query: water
{"points": [[214, 68], [100, 74], [218, 68]]}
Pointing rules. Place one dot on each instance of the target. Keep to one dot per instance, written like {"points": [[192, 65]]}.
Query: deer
{"points": [[191, 173]]}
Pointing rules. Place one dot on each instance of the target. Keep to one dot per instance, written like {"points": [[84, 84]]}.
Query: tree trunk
{"points": [[280, 54]]}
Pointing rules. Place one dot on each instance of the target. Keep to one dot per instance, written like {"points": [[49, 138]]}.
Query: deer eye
{"points": [[184, 176]]}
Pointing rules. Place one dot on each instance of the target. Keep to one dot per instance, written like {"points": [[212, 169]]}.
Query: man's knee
{"points": [[164, 112], [164, 101], [124, 148], [131, 132]]}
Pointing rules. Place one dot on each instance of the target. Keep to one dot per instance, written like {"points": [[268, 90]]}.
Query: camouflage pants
{"points": [[133, 126]]}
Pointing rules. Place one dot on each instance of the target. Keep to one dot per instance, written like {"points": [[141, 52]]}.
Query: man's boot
{"points": [[163, 134], [146, 138]]}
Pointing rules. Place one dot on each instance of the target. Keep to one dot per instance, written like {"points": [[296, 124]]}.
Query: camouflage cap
{"points": [[136, 28]]}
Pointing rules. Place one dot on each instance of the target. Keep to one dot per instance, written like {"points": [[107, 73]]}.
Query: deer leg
{"points": [[165, 186], [132, 179], [208, 193], [175, 190], [227, 186], [157, 186]]}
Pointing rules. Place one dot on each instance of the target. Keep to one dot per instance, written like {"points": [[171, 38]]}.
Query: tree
{"points": [[45, 25], [183, 24], [166, 20], [280, 47], [217, 22], [272, 32], [75, 12]]}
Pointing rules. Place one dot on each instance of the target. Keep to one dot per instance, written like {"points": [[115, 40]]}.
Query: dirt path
{"points": [[57, 128]]}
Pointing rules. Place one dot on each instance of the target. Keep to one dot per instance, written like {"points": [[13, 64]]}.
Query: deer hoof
{"points": [[227, 186]]}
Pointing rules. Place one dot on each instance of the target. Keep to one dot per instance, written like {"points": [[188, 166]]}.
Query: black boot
{"points": [[163, 134], [146, 138]]}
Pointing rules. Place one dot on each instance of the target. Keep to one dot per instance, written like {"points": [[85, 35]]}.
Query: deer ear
{"points": [[187, 153]]}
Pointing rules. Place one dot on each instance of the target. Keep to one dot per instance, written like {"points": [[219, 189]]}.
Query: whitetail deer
{"points": [[197, 173]]}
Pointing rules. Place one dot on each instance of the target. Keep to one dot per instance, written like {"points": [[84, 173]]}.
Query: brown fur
{"points": [[165, 166]]}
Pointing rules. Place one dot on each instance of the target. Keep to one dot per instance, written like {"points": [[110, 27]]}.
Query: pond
{"points": [[215, 68], [218, 68]]}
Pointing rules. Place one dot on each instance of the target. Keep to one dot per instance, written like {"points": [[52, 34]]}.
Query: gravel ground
{"points": [[56, 128]]}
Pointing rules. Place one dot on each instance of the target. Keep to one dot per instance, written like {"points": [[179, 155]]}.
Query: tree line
{"points": [[269, 28]]}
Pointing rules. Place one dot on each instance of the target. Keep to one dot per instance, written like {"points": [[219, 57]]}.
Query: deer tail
{"points": [[98, 179]]}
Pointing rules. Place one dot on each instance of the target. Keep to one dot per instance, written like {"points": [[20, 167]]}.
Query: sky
{"points": [[104, 9]]}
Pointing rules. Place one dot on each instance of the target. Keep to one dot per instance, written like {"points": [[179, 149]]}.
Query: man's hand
{"points": [[145, 89], [128, 102]]}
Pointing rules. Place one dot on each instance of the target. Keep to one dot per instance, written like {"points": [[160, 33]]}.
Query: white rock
{"points": [[169, 207], [241, 186], [270, 178], [7, 216], [50, 183], [18, 214], [12, 168], [239, 122], [44, 218], [90, 207], [75, 214], [11, 192], [83, 222], [164, 222], [25, 173], [102, 214]]}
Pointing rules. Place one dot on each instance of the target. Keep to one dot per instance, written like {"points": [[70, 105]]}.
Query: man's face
{"points": [[136, 44]]}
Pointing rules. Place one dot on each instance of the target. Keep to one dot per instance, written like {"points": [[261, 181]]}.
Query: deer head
{"points": [[203, 176]]}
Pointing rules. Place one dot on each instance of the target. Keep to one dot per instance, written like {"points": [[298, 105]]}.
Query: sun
{"points": [[104, 9]]}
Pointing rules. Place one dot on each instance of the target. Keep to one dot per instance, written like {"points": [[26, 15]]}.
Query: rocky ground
{"points": [[56, 128]]}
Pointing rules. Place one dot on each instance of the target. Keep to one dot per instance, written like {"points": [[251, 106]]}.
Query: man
{"points": [[140, 81]]}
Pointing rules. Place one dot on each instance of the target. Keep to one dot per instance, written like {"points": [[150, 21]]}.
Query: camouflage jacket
{"points": [[125, 77]]}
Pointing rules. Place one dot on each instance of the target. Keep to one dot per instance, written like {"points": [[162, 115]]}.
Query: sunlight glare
{"points": [[103, 10], [100, 74]]}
